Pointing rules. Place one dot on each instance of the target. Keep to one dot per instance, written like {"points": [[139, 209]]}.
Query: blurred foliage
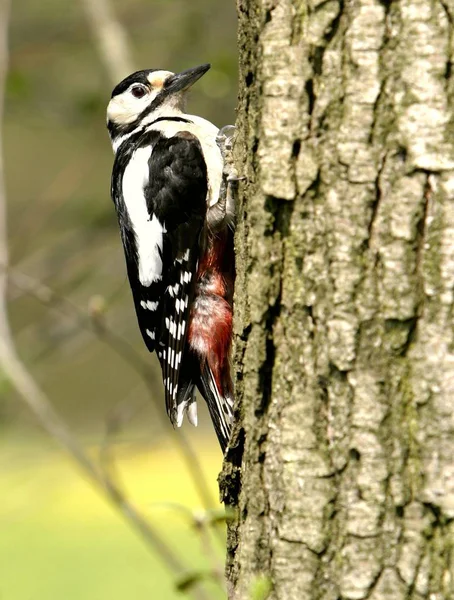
{"points": [[63, 233], [59, 539]]}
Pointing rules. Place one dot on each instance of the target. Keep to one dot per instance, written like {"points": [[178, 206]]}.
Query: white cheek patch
{"points": [[126, 108]]}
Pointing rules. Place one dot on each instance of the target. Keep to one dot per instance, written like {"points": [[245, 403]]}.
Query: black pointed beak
{"points": [[180, 82]]}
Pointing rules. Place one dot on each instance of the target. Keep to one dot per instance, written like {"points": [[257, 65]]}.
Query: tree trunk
{"points": [[342, 465]]}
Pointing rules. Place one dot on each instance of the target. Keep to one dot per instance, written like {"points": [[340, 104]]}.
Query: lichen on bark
{"points": [[341, 464]]}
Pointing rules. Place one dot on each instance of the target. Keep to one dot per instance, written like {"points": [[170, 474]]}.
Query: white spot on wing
{"points": [[151, 334], [184, 258], [170, 357], [173, 290], [148, 232], [149, 305], [180, 331], [171, 326]]}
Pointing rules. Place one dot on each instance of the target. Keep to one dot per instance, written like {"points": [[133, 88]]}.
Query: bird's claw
{"points": [[224, 210]]}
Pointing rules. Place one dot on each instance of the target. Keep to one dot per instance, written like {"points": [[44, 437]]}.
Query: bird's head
{"points": [[147, 95]]}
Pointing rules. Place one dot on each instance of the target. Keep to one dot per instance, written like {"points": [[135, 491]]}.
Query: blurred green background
{"points": [[59, 538]]}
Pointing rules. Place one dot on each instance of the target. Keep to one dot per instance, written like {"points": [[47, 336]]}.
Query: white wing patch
{"points": [[205, 132], [148, 231]]}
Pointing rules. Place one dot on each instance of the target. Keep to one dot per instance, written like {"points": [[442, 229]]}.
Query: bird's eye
{"points": [[138, 91]]}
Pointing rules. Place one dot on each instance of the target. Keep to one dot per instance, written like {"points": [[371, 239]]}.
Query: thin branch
{"points": [[39, 404], [37, 401], [48, 296], [111, 39]]}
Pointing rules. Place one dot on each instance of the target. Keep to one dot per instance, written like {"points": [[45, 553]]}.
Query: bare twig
{"points": [[48, 296], [111, 39], [38, 402]]}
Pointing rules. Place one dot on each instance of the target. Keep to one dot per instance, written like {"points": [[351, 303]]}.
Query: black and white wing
{"points": [[176, 199], [141, 233], [177, 194]]}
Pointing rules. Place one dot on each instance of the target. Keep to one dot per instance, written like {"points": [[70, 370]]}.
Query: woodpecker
{"points": [[176, 225]]}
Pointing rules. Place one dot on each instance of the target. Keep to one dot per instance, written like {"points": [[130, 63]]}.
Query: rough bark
{"points": [[342, 466]]}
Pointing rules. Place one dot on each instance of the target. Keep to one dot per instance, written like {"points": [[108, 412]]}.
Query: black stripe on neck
{"points": [[130, 138], [157, 102], [182, 119], [117, 131]]}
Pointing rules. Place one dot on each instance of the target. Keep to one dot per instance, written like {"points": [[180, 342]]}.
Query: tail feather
{"points": [[219, 401], [185, 401], [219, 404]]}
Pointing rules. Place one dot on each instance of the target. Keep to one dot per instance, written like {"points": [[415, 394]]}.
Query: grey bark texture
{"points": [[342, 462]]}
